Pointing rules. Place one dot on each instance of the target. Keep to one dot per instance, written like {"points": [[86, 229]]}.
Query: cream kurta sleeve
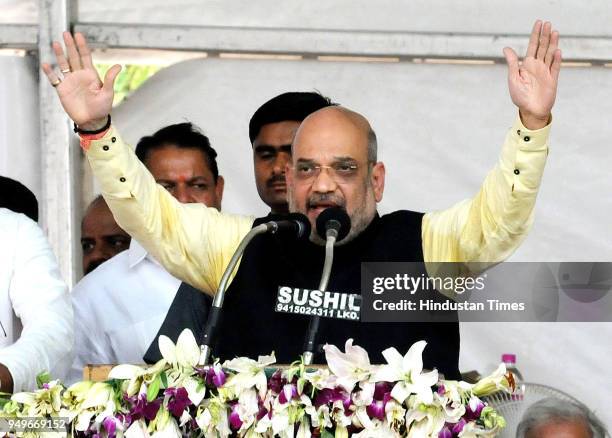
{"points": [[193, 242], [490, 226]]}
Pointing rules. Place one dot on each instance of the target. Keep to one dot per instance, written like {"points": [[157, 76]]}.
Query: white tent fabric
{"points": [[477, 16], [19, 132], [439, 128]]}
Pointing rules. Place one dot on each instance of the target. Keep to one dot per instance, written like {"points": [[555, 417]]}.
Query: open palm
{"points": [[85, 98], [533, 83]]}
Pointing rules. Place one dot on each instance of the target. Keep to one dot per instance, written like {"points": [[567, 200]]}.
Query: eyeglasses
{"points": [[341, 172]]}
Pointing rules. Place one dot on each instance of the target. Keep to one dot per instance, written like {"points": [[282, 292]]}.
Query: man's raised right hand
{"points": [[86, 99]]}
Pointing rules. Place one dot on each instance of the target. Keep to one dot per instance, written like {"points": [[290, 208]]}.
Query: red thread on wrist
{"points": [[86, 139]]}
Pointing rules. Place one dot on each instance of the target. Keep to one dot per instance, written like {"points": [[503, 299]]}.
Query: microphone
{"points": [[294, 224], [333, 225], [333, 220]]}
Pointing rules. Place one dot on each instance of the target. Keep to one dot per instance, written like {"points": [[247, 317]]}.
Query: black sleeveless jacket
{"points": [[251, 326]]}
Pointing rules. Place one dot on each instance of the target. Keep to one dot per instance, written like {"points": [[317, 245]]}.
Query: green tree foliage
{"points": [[131, 77]]}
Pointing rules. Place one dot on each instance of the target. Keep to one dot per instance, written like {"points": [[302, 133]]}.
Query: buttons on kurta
{"points": [[517, 172]]}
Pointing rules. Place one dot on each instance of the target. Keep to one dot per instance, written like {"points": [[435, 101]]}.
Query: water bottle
{"points": [[510, 361]]}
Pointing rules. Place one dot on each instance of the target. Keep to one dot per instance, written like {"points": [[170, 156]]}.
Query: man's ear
{"points": [[377, 179]]}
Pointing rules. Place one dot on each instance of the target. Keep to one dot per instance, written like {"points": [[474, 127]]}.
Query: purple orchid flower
{"points": [[288, 393], [327, 395], [458, 427], [377, 408], [381, 389], [473, 413], [215, 376], [276, 382], [234, 417], [441, 390], [110, 425], [143, 409], [178, 401], [445, 433]]}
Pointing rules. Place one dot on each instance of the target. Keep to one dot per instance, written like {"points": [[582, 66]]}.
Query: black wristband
{"points": [[97, 131]]}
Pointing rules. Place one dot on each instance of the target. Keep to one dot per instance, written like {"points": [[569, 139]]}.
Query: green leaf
{"points": [[300, 385], [43, 378], [153, 389], [164, 379], [326, 434]]}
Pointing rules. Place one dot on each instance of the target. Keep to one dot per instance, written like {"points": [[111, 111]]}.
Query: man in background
{"points": [[271, 131], [555, 418], [101, 237], [36, 325], [121, 307], [18, 198]]}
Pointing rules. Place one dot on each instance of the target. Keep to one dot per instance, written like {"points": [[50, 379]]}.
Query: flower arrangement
{"points": [[179, 397]]}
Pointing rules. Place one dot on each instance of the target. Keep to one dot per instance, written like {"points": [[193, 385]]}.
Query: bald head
{"points": [[101, 237], [322, 124]]}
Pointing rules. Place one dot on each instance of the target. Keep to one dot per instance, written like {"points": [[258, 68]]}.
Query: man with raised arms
{"points": [[334, 163]]}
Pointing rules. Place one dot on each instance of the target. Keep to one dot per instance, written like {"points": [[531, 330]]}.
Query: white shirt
{"points": [[36, 332], [119, 308]]}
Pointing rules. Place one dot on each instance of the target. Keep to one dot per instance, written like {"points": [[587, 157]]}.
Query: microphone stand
{"points": [[313, 327], [210, 331]]}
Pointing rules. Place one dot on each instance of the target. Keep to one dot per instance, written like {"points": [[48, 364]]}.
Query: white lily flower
{"points": [[185, 354], [250, 373], [339, 416], [425, 421], [321, 417], [497, 381], [349, 367], [380, 430], [212, 419], [341, 431], [450, 396], [304, 429], [280, 423], [472, 430], [98, 395], [361, 400], [169, 430], [137, 429], [247, 408], [395, 414], [407, 372], [195, 390], [42, 402], [321, 379], [137, 377], [83, 420]]}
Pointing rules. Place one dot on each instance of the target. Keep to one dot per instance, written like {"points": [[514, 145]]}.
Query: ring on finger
{"points": [[66, 70], [56, 82]]}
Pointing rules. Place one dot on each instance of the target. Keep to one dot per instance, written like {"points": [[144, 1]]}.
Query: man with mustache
{"points": [[271, 131], [123, 306], [334, 162]]}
